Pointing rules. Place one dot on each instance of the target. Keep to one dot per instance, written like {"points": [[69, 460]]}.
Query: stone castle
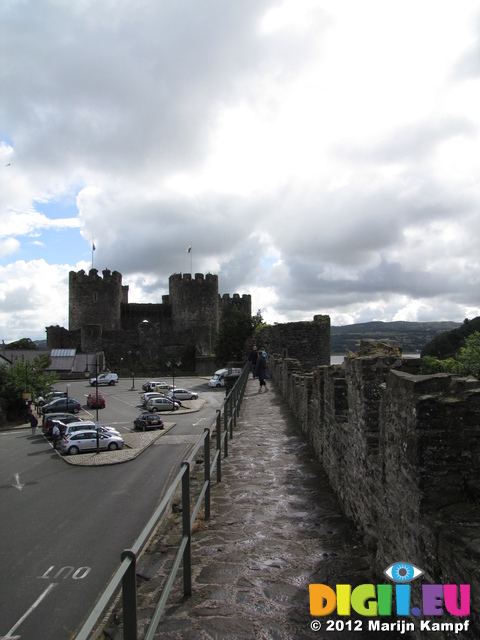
{"points": [[183, 326]]}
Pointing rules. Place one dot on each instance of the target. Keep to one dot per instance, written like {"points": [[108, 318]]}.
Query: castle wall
{"points": [[401, 452], [241, 303], [61, 338], [135, 314], [307, 342], [195, 307], [95, 300]]}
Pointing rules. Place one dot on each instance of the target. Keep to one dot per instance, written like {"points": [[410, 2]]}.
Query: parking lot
{"points": [[123, 405]]}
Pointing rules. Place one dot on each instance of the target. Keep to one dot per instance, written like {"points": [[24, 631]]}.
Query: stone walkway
{"points": [[275, 528]]}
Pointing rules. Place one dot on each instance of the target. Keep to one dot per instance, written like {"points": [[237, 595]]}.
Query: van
{"points": [[218, 379]]}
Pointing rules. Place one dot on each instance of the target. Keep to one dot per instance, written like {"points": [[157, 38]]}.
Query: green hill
{"points": [[410, 336]]}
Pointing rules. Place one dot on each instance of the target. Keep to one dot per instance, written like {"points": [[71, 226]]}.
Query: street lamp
{"points": [[172, 366]]}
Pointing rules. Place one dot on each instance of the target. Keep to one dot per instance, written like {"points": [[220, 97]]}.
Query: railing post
{"points": [[187, 554], [206, 474], [129, 597], [225, 426], [219, 445]]}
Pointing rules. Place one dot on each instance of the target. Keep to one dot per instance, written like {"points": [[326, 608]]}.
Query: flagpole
{"points": [[189, 250], [93, 249]]}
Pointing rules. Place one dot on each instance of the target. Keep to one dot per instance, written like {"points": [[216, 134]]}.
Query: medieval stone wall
{"points": [[308, 342], [194, 303], [241, 303], [95, 300], [401, 451]]}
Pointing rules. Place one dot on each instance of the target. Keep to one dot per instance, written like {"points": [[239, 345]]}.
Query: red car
{"points": [[96, 401]]}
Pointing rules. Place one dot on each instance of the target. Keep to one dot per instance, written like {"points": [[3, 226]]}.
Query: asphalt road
{"points": [[63, 527]]}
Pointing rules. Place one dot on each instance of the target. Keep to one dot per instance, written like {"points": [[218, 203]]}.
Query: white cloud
{"points": [[321, 155]]}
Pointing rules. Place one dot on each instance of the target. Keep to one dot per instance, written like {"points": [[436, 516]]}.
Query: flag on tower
{"points": [[189, 249]]}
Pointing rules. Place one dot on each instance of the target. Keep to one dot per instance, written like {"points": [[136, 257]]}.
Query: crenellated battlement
{"points": [[80, 277], [236, 296], [208, 278]]}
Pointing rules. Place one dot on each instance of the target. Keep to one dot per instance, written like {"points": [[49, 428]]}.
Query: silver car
{"points": [[81, 441], [145, 397], [70, 428], [182, 394], [162, 404]]}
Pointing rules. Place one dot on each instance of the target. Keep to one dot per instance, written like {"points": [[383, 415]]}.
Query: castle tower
{"points": [[94, 300], [194, 303]]}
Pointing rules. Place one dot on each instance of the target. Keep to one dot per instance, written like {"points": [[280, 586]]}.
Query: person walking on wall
{"points": [[261, 371], [253, 361]]}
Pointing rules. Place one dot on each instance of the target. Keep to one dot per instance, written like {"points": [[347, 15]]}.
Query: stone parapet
{"points": [[401, 452]]}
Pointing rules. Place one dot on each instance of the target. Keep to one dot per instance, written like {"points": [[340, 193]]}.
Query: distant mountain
{"points": [[410, 336]]}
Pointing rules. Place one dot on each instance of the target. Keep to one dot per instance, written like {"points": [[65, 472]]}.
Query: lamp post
{"points": [[172, 365]]}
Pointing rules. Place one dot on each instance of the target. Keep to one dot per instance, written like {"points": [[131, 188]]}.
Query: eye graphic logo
{"points": [[402, 572]]}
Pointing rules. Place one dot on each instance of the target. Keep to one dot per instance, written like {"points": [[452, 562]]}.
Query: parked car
{"points": [[162, 404], [86, 424], [81, 441], [145, 397], [96, 401], [154, 386], [147, 421], [59, 418], [68, 405], [182, 394], [104, 378], [48, 397]]}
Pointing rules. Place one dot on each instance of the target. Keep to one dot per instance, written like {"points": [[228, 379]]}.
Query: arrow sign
{"points": [[17, 481], [9, 635]]}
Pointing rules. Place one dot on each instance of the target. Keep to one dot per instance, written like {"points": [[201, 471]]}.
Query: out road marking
{"points": [[17, 480], [10, 635]]}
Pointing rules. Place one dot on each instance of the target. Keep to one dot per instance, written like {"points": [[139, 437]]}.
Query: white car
{"points": [[104, 378], [70, 428]]}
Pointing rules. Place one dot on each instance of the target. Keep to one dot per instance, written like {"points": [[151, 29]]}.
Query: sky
{"points": [[320, 155]]}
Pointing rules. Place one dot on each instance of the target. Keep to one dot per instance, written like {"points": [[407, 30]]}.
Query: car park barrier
{"points": [[125, 576]]}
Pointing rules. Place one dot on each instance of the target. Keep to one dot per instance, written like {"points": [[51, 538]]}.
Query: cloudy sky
{"points": [[322, 155]]}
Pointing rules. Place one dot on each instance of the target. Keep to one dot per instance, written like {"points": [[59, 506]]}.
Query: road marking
{"points": [[9, 635], [17, 481]]}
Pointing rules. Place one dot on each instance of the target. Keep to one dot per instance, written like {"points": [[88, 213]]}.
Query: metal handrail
{"points": [[126, 572]]}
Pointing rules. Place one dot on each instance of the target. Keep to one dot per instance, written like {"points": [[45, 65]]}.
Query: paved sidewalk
{"points": [[275, 528]]}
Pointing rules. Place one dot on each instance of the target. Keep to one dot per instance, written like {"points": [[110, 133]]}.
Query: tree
{"points": [[22, 344], [235, 330], [26, 376], [257, 322], [466, 363], [469, 356]]}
